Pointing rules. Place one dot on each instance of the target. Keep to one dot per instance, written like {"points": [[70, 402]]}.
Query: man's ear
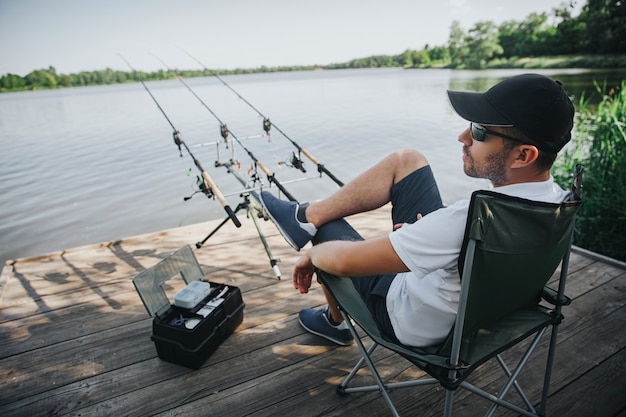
{"points": [[525, 155]]}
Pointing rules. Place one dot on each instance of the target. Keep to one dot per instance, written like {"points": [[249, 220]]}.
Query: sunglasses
{"points": [[480, 132]]}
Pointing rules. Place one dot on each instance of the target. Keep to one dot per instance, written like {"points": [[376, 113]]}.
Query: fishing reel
{"points": [[294, 161], [202, 188]]}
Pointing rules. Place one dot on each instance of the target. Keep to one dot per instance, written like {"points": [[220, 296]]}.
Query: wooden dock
{"points": [[75, 339]]}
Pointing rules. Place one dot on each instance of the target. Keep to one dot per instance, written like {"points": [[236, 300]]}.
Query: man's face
{"points": [[488, 159]]}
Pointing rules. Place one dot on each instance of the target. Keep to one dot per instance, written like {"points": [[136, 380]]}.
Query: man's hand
{"points": [[303, 274], [399, 225]]}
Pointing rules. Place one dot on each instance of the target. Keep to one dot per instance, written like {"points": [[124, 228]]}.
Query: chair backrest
{"points": [[512, 247], [149, 283]]}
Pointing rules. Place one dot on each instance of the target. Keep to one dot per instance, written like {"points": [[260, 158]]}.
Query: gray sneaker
{"points": [[284, 215], [316, 321]]}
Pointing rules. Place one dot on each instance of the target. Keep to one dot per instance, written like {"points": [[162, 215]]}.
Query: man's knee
{"points": [[408, 161]]}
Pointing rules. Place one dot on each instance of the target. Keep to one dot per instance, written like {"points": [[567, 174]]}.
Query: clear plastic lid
{"points": [[149, 283]]}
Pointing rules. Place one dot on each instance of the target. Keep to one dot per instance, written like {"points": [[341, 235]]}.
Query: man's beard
{"points": [[493, 169]]}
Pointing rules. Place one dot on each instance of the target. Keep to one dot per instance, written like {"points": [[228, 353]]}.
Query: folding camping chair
{"points": [[511, 249]]}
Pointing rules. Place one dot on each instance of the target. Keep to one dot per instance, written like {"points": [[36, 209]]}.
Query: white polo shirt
{"points": [[422, 303]]}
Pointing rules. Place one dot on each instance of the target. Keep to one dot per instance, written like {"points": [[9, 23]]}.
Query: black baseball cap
{"points": [[534, 103]]}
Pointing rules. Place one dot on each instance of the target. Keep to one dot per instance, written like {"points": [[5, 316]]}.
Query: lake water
{"points": [[94, 164]]}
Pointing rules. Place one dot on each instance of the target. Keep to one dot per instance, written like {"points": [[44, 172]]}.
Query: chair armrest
{"points": [[551, 296]]}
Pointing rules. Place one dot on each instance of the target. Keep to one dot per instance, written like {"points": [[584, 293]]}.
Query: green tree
{"points": [[12, 82], [529, 30], [545, 42], [422, 58], [407, 59], [439, 54], [120, 77], [457, 45], [606, 29], [482, 44], [64, 80], [509, 36], [535, 37], [42, 78], [572, 36]]}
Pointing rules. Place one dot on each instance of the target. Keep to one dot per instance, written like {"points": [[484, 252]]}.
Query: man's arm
{"points": [[347, 258], [357, 258]]}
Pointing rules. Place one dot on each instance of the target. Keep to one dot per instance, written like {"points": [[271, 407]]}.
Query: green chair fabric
{"points": [[512, 247]]}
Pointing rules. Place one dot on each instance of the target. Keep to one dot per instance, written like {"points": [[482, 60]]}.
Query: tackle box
{"points": [[187, 332]]}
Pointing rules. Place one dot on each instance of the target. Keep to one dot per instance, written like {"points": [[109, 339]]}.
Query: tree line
{"points": [[598, 31]]}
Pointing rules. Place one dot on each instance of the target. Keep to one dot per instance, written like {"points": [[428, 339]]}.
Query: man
{"points": [[409, 279]]}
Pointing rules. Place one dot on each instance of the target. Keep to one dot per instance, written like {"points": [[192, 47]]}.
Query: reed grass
{"points": [[599, 143]]}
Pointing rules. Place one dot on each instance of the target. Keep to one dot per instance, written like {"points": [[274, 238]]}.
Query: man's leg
{"points": [[368, 191]]}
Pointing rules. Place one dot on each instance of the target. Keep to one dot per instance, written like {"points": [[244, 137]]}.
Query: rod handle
{"points": [[321, 168], [232, 216], [264, 169], [220, 197], [272, 178], [308, 155]]}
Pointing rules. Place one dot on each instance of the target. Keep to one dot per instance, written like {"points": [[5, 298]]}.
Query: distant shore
{"points": [[46, 79]]}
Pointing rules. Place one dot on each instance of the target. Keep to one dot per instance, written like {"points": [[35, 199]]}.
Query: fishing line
{"points": [[225, 131], [210, 187], [267, 124]]}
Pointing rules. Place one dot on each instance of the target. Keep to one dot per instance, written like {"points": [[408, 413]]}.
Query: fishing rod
{"points": [[267, 124], [209, 187], [225, 131]]}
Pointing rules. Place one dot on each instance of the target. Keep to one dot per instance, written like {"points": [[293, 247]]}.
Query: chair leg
{"points": [[548, 374], [512, 381], [516, 385], [492, 398], [359, 364], [449, 402], [365, 356]]}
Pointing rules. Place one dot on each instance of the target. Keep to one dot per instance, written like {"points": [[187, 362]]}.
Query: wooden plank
{"points": [[599, 392], [134, 340], [168, 394], [60, 325], [590, 277], [102, 388], [69, 321], [279, 393]]}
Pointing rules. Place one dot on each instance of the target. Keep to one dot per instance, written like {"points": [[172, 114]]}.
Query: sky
{"points": [[89, 35]]}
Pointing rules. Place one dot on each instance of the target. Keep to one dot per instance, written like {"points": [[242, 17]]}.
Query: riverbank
{"points": [[47, 79], [604, 61]]}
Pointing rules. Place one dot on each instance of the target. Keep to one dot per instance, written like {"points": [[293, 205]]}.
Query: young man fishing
{"points": [[409, 279]]}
